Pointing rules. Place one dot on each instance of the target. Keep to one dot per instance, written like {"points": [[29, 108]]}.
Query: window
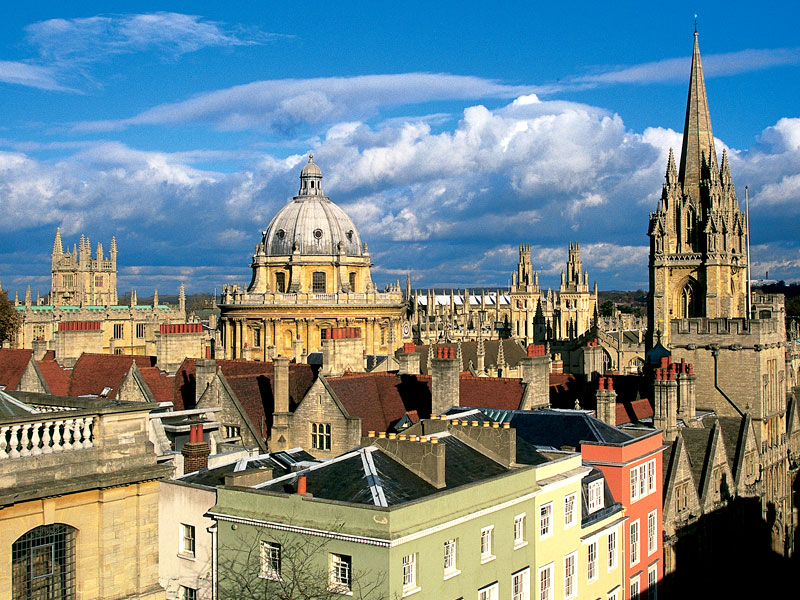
{"points": [[569, 510], [352, 281], [520, 585], [321, 436], [546, 520], [595, 495], [486, 543], [409, 573], [591, 561], [257, 338], [652, 540], [69, 281], [612, 550], [98, 281], [280, 282], [651, 476], [570, 581], [635, 542], [634, 588], [681, 496], [187, 540], [318, 282], [43, 563], [341, 572], [490, 592], [652, 582], [614, 594], [140, 330], [270, 561], [232, 431], [450, 547], [546, 582], [519, 531], [187, 593], [119, 330]]}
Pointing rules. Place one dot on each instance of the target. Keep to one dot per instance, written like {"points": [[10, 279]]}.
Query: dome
{"points": [[311, 222]]}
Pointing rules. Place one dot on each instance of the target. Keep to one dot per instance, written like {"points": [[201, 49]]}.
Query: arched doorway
{"points": [[43, 563]]}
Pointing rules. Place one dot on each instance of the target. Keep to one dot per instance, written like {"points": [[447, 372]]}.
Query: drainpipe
{"points": [[715, 354], [213, 531]]}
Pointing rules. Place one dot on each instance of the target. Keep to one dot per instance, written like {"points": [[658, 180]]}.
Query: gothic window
{"points": [[98, 281], [688, 302], [119, 331], [140, 330], [280, 282], [318, 282], [43, 564], [321, 436], [69, 281], [691, 230]]}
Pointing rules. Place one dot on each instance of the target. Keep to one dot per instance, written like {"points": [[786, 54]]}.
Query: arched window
{"points": [[280, 282], [688, 301], [318, 282], [43, 564], [691, 229]]}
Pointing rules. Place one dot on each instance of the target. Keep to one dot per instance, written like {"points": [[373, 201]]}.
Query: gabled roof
{"points": [[12, 365], [734, 435], [56, 377], [93, 373], [161, 385]]}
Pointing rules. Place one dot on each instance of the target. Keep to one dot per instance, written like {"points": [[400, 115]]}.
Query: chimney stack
{"points": [[445, 380], [205, 371], [408, 360], [665, 394], [591, 359], [606, 401], [342, 350], [195, 451], [535, 369], [686, 393], [281, 384]]}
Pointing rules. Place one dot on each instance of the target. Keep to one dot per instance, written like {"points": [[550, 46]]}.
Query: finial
{"points": [[311, 154], [695, 24]]}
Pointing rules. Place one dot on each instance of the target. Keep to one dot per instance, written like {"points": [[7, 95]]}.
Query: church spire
{"points": [[698, 139], [58, 246]]}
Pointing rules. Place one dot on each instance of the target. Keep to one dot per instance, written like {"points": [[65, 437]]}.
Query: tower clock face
{"points": [[406, 330]]}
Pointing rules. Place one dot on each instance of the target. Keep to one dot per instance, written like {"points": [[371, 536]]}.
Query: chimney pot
{"points": [[434, 440], [506, 426], [486, 424], [392, 436], [371, 434], [495, 425], [382, 434], [473, 423], [301, 484], [402, 436]]}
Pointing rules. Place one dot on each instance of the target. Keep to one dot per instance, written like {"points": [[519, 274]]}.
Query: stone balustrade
{"points": [[21, 440], [278, 298]]}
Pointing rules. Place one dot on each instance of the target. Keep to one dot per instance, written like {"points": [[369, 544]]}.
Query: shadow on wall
{"points": [[729, 553]]}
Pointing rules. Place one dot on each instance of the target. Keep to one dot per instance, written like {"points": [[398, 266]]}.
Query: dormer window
{"points": [[595, 495]]}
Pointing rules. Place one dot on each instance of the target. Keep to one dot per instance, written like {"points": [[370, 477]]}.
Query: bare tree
{"points": [[267, 564]]}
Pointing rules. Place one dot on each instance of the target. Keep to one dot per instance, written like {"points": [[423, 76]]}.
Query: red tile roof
{"points": [[12, 366], [161, 385], [57, 378], [632, 412], [94, 372]]}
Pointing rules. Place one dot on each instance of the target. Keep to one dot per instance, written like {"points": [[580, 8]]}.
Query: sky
{"points": [[451, 133]]}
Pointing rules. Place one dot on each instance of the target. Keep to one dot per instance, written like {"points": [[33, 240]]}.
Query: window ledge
{"points": [[487, 558], [451, 574], [270, 577], [185, 556], [339, 589], [411, 591], [521, 544]]}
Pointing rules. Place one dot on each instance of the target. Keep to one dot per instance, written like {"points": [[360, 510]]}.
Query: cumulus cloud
{"points": [[449, 205]]}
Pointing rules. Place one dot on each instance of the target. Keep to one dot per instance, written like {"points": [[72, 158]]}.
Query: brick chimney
{"points": [[686, 393], [205, 371], [195, 451], [606, 401], [408, 360], [665, 395], [535, 369], [445, 380], [342, 350]]}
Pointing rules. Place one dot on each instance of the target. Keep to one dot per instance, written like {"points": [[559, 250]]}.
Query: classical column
{"points": [[239, 338]]}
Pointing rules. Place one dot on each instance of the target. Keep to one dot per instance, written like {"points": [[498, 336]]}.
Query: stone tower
{"points": [[697, 234], [78, 278]]}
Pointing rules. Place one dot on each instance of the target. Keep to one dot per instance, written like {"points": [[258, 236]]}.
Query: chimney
{"points": [[297, 347], [408, 360], [281, 384], [591, 360], [195, 451], [342, 350], [423, 456], [665, 395], [686, 392], [535, 369], [606, 401], [301, 485], [205, 371], [445, 380]]}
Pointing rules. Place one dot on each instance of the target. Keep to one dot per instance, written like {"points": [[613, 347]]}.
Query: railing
{"points": [[46, 437], [318, 296]]}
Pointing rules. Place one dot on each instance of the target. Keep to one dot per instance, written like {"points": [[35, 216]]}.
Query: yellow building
{"points": [[311, 273], [78, 499]]}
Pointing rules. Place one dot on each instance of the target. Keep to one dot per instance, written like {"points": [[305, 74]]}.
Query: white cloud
{"points": [[37, 76]]}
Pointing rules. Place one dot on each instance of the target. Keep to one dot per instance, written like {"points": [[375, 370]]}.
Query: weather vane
{"points": [[695, 22]]}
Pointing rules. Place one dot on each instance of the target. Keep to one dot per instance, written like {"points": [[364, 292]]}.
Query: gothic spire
{"points": [[58, 246], [698, 139], [672, 172]]}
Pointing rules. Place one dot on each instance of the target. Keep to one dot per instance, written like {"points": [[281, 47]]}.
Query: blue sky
{"points": [[450, 132]]}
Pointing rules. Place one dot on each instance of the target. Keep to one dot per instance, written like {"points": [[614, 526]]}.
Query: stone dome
{"points": [[311, 222]]}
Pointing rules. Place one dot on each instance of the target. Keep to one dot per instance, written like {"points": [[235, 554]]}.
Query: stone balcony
{"points": [[72, 444], [312, 299]]}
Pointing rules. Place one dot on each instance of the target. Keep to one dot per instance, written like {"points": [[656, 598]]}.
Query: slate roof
{"points": [[734, 438], [609, 505], [697, 443], [94, 372], [382, 399], [280, 463], [11, 407], [12, 365], [371, 476]]}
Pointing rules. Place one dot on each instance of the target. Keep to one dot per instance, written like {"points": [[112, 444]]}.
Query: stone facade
{"points": [[310, 274], [78, 278]]}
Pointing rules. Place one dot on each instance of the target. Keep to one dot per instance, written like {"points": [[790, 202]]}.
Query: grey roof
{"points": [[313, 222], [697, 444], [281, 463], [11, 407]]}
